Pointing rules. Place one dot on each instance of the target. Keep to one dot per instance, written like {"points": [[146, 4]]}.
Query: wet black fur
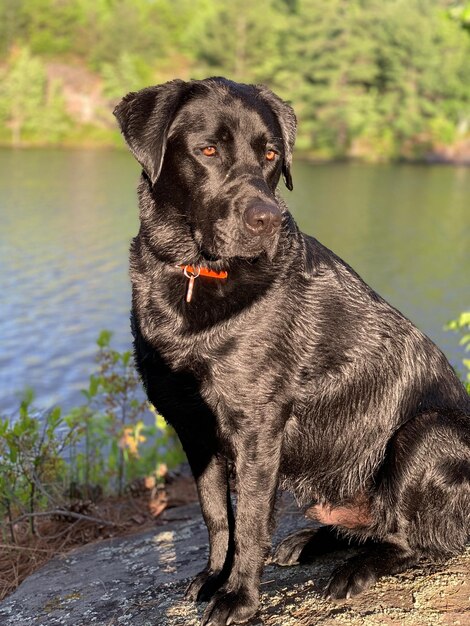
{"points": [[292, 369]]}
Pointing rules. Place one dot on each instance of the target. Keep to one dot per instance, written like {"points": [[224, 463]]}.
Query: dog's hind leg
{"points": [[305, 545], [423, 498]]}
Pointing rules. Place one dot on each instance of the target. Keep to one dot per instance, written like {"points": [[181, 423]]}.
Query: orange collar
{"points": [[197, 270], [192, 272]]}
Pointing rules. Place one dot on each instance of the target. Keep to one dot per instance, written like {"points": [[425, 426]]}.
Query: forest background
{"points": [[371, 79]]}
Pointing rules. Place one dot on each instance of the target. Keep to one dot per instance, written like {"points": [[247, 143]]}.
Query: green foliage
{"points": [[461, 325], [32, 469], [22, 93], [390, 75], [50, 25], [129, 73], [30, 105], [233, 39], [112, 428], [377, 79], [106, 443], [461, 13]]}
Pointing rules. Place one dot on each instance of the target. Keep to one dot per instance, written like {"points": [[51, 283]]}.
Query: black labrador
{"points": [[267, 352]]}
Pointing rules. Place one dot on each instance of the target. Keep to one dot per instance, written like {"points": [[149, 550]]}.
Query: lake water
{"points": [[67, 217]]}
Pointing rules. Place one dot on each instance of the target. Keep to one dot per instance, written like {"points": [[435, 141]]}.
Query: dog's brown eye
{"points": [[209, 151], [270, 155]]}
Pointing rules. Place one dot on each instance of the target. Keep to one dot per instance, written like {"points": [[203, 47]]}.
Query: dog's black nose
{"points": [[262, 219]]}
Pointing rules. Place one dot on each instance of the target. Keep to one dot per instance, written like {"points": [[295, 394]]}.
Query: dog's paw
{"points": [[204, 585], [231, 607], [351, 579], [288, 551], [362, 571]]}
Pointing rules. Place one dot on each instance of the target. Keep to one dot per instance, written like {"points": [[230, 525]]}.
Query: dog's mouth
{"points": [[248, 253], [225, 246], [208, 257], [218, 263]]}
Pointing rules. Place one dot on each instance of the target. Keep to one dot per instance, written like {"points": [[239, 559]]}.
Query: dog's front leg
{"points": [[214, 496], [257, 467]]}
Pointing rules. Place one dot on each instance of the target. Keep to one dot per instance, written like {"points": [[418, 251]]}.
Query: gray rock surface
{"points": [[139, 580]]}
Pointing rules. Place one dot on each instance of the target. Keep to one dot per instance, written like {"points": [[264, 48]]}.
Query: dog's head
{"points": [[215, 150]]}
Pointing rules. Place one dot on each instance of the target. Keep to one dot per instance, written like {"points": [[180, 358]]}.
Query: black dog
{"points": [[266, 351]]}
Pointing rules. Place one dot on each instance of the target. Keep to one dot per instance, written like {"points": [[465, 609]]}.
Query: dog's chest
{"points": [[234, 369]]}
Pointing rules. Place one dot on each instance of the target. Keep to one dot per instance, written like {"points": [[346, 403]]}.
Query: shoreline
{"points": [[432, 158]]}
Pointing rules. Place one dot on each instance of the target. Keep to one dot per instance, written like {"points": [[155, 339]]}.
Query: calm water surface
{"points": [[66, 220]]}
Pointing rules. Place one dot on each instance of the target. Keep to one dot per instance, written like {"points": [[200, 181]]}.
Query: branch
{"points": [[22, 548], [41, 488], [80, 516]]}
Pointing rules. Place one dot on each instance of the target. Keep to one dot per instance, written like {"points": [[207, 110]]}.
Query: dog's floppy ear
{"points": [[145, 117], [288, 123]]}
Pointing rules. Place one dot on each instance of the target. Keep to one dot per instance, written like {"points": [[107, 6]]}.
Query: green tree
{"points": [[424, 78], [234, 39], [371, 78], [136, 27], [22, 87], [461, 13], [332, 62], [50, 25], [394, 74], [12, 24], [30, 104], [129, 73]]}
